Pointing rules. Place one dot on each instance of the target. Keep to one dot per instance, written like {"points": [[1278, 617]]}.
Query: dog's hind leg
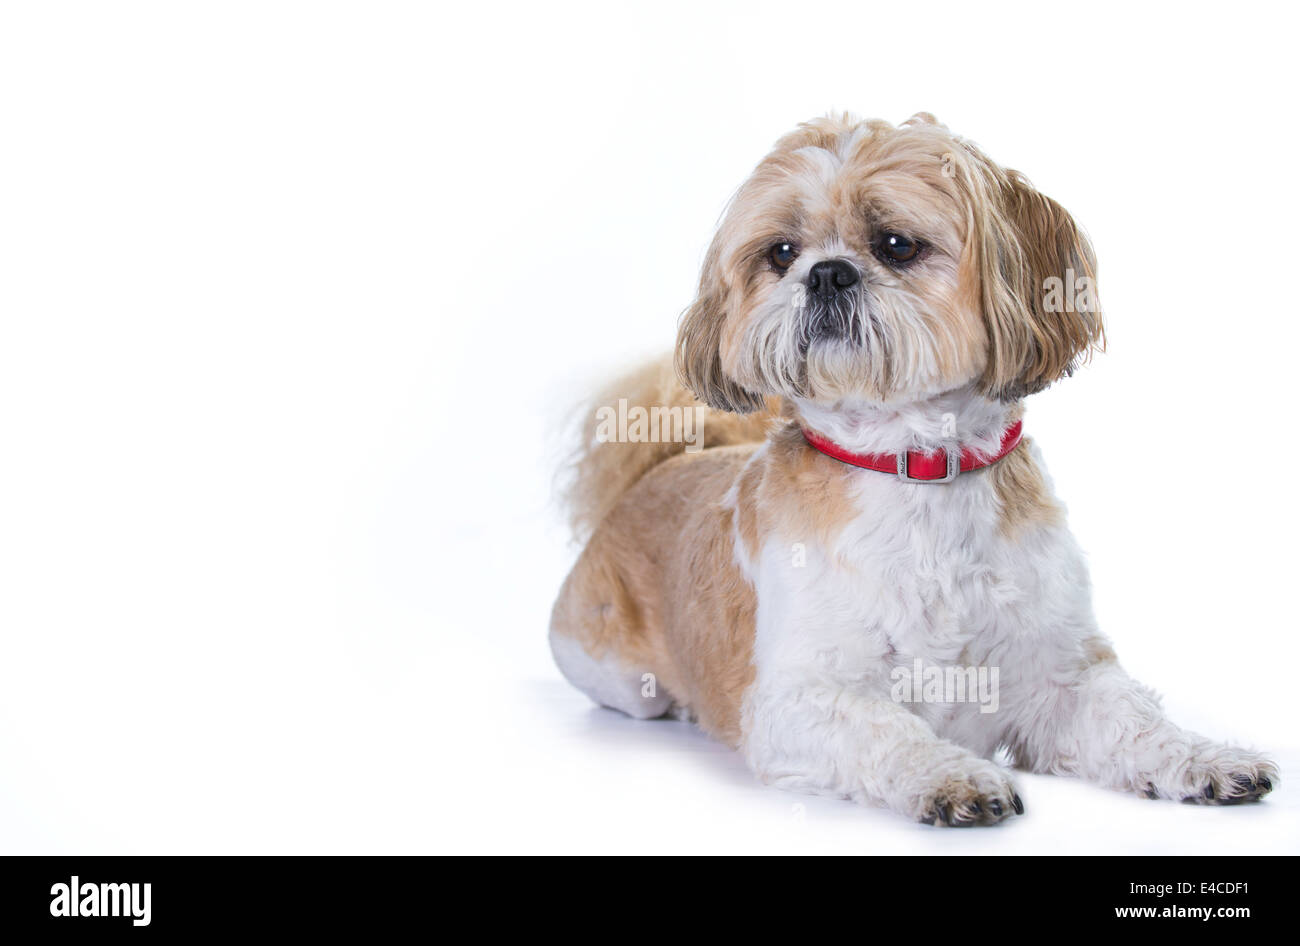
{"points": [[608, 682], [600, 645]]}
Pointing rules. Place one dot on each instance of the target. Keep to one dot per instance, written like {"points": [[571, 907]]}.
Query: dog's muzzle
{"points": [[833, 298]]}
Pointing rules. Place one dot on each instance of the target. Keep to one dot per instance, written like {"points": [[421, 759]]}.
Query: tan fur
{"points": [[599, 473], [1028, 239], [1098, 650], [1022, 493], [658, 588], [710, 621], [793, 490], [698, 356]]}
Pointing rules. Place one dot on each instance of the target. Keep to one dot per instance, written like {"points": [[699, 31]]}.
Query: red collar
{"points": [[941, 466]]}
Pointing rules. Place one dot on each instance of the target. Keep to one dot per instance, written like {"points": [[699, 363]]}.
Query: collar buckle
{"points": [[953, 465]]}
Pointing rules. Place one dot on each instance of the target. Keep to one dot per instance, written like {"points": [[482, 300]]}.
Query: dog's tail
{"points": [[636, 423]]}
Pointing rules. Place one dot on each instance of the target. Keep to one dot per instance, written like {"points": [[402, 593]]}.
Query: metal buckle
{"points": [[954, 467]]}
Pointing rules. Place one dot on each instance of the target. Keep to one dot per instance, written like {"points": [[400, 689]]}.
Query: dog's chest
{"points": [[920, 572], [927, 567]]}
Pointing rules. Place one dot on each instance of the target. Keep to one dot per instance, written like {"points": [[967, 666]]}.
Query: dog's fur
{"points": [[770, 592]]}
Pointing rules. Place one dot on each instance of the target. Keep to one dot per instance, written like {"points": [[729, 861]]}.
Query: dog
{"points": [[866, 528]]}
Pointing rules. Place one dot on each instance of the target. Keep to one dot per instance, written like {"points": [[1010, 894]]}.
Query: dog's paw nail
{"points": [[996, 807], [1265, 783], [1209, 791], [1150, 792], [1018, 804]]}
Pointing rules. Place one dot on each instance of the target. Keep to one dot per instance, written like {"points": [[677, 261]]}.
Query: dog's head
{"points": [[864, 260]]}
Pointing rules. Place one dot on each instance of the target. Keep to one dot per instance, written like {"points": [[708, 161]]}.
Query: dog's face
{"points": [[863, 260]]}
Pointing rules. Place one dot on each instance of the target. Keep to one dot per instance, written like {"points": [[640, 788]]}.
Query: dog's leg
{"points": [[608, 681], [601, 645], [828, 739], [1106, 727]]}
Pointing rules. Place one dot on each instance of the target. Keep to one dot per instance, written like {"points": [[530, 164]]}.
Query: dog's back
{"points": [[603, 468]]}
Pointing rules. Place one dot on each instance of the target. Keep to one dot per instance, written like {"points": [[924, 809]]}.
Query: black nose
{"points": [[831, 276]]}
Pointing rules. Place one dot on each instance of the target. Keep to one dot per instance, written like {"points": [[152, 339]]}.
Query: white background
{"points": [[293, 297]]}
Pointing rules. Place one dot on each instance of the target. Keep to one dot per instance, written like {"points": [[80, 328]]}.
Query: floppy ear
{"points": [[698, 359], [1038, 284]]}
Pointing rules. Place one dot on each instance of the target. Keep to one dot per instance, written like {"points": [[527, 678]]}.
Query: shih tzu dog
{"points": [[867, 540]]}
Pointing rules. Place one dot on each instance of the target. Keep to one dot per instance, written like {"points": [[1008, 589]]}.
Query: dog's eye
{"points": [[783, 255], [898, 250]]}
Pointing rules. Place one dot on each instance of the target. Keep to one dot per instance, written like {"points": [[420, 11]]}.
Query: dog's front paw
{"points": [[1218, 775], [976, 793], [1233, 785]]}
